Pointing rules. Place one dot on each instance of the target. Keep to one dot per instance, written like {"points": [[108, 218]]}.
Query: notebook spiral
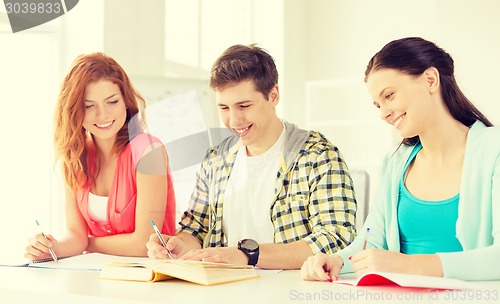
{"points": [[51, 259]]}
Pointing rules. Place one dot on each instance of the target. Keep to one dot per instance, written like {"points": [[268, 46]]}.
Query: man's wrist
{"points": [[339, 259], [251, 249]]}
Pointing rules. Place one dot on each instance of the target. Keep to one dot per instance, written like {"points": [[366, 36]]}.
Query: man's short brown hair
{"points": [[244, 62]]}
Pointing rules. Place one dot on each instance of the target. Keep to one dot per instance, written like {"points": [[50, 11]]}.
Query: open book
{"points": [[204, 273], [403, 280]]}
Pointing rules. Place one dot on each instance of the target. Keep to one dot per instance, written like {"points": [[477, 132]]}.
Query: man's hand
{"points": [[228, 255]]}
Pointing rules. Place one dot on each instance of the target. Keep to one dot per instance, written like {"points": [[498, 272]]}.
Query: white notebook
{"points": [[90, 261]]}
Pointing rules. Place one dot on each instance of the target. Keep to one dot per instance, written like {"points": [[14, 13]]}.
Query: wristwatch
{"points": [[251, 249]]}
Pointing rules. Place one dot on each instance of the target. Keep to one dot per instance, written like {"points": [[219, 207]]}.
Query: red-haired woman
{"points": [[117, 177]]}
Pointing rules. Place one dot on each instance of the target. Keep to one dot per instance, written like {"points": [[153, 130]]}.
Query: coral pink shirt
{"points": [[123, 195]]}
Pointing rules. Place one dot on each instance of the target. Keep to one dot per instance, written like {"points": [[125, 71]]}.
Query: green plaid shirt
{"points": [[314, 197]]}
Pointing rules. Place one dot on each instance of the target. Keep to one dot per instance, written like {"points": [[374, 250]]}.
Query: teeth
{"points": [[397, 121], [104, 125], [241, 131]]}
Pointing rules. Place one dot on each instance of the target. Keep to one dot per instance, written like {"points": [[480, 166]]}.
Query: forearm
{"points": [[126, 244], [283, 256], [472, 265], [71, 244]]}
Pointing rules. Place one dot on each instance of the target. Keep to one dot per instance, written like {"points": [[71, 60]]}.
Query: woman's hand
{"points": [[38, 247], [321, 267], [379, 260], [390, 261]]}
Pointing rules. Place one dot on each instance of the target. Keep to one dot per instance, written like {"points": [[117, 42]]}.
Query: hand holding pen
{"points": [[365, 241], [52, 253], [366, 238], [162, 240]]}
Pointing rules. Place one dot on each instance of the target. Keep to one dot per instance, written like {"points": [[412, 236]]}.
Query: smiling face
{"points": [[105, 111], [404, 100], [246, 112]]}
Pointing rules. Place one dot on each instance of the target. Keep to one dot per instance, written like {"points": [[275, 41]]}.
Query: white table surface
{"points": [[33, 285]]}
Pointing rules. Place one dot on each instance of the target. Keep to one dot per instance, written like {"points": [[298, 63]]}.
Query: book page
{"points": [[205, 273]]}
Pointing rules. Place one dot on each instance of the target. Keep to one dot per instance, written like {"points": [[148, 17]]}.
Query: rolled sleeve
{"points": [[317, 202], [195, 220], [332, 204]]}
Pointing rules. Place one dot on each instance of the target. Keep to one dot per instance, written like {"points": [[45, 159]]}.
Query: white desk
{"points": [[32, 285]]}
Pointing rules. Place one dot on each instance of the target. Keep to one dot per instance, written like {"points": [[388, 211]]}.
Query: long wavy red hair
{"points": [[71, 141]]}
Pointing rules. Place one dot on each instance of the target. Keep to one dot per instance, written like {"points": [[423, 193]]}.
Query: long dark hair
{"points": [[414, 55]]}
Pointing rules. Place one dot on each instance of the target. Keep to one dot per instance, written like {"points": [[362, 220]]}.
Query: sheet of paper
{"points": [[91, 261]]}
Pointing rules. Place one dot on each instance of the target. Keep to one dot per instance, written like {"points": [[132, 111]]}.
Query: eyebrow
{"points": [[382, 92], [237, 104], [86, 100]]}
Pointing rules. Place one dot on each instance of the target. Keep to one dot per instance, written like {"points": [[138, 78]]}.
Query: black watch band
{"points": [[251, 249]]}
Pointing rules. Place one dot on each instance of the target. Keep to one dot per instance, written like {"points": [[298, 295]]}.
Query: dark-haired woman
{"points": [[437, 211]]}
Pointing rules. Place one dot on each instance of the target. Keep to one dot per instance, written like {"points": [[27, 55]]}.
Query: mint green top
{"points": [[478, 223]]}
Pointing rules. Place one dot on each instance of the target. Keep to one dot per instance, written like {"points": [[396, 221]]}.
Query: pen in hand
{"points": [[52, 253], [163, 243], [366, 238]]}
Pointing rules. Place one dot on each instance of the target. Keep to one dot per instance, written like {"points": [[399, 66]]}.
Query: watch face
{"points": [[249, 244]]}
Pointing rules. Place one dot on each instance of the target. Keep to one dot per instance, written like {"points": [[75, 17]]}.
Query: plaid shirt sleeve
{"points": [[195, 220], [332, 205], [317, 204]]}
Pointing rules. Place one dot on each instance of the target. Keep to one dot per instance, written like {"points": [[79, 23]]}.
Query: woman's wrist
{"points": [[425, 264]]}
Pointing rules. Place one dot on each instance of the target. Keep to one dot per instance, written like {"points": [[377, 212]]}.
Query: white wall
{"points": [[26, 154], [335, 39]]}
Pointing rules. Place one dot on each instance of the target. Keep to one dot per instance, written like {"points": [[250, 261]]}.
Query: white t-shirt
{"points": [[98, 208], [250, 193]]}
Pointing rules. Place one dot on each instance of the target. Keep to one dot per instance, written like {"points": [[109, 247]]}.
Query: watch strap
{"points": [[253, 257]]}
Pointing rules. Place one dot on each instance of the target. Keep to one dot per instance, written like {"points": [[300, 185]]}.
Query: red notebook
{"points": [[404, 280]]}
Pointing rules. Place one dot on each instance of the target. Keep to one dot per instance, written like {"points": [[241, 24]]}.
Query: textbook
{"points": [[204, 273], [403, 280]]}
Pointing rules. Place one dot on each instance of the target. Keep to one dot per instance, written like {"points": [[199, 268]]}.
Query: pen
{"points": [[52, 253], [161, 239], [366, 238]]}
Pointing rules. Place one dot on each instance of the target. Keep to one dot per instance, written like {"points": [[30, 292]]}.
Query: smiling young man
{"points": [[272, 194]]}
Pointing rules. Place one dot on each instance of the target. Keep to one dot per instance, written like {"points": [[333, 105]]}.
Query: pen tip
{"points": [[38, 224], [152, 222]]}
